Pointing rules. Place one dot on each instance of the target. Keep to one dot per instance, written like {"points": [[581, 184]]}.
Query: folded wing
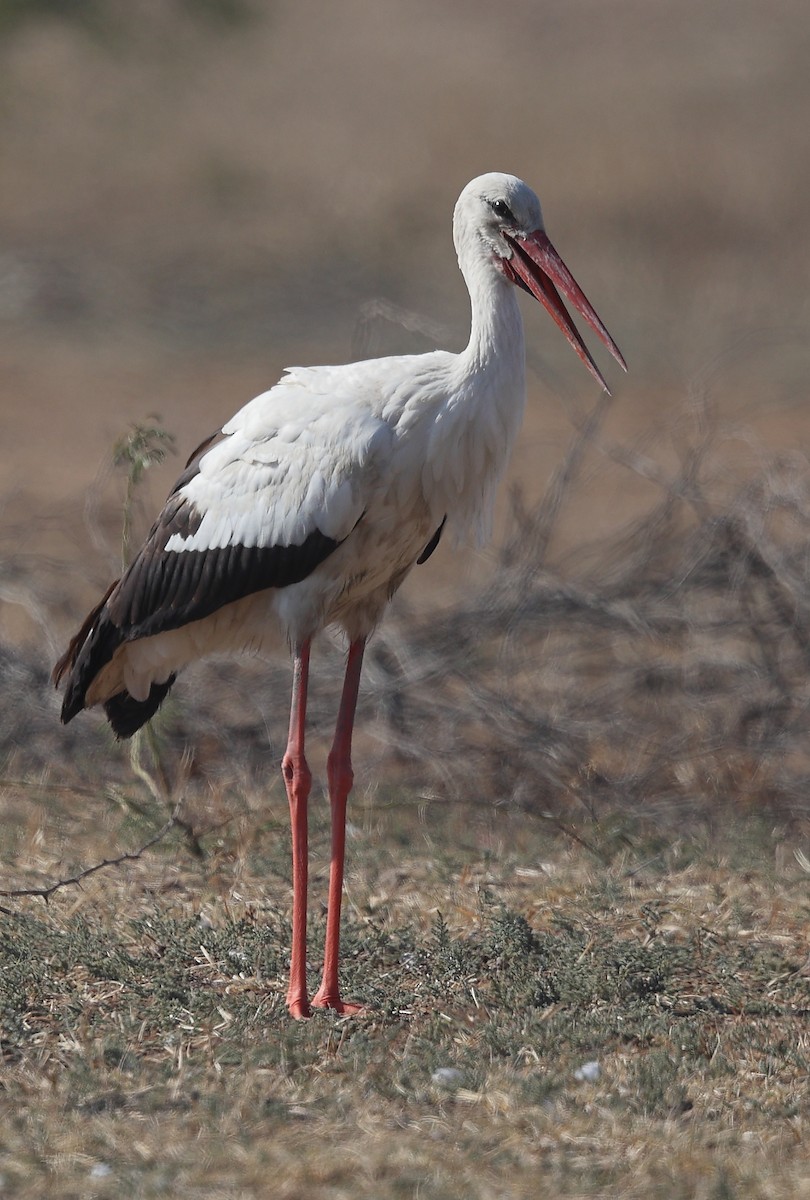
{"points": [[260, 505]]}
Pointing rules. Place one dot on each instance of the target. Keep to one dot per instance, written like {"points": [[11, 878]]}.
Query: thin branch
{"points": [[394, 314], [73, 789], [545, 515], [76, 880]]}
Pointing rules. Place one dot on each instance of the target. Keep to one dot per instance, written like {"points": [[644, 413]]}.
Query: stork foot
{"points": [[298, 1008], [328, 999]]}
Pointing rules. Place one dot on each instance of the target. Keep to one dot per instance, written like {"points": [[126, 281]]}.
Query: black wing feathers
{"points": [[193, 460], [165, 589], [90, 650], [127, 715], [68, 659], [432, 544]]}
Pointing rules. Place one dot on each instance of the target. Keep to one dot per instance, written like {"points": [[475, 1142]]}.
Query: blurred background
{"points": [[196, 193]]}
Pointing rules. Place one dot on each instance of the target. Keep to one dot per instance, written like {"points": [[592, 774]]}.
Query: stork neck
{"points": [[496, 332]]}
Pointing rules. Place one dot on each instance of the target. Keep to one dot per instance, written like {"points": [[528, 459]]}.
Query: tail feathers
{"points": [[127, 715], [88, 653], [68, 660]]}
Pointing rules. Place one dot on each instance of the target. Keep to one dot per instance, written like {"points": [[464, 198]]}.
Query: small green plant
{"points": [[143, 446]]}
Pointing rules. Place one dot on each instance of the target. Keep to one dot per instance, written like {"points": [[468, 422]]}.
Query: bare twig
{"points": [[45, 893], [545, 515], [394, 314]]}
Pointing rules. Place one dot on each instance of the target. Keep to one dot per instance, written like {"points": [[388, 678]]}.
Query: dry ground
{"points": [[147, 1050], [577, 900]]}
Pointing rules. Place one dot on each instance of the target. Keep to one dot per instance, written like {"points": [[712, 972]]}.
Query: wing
{"points": [[259, 506]]}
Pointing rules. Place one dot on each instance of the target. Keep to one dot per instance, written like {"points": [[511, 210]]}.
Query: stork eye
{"points": [[501, 209]]}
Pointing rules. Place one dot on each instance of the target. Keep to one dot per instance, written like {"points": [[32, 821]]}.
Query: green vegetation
{"points": [[143, 446]]}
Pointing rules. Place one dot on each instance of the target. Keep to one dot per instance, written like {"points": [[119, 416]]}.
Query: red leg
{"points": [[298, 780], [341, 777]]}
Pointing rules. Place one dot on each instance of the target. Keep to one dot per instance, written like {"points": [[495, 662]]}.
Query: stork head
{"points": [[502, 216]]}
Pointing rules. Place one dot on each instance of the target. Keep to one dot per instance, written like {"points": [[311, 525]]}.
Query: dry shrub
{"points": [[664, 669]]}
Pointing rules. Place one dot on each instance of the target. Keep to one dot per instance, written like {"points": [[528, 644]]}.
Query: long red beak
{"points": [[537, 267]]}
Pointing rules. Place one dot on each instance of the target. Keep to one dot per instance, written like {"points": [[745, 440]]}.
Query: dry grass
{"points": [[618, 874], [147, 1050]]}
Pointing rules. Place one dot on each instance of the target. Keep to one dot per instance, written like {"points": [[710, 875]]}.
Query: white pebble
{"points": [[589, 1072], [448, 1077]]}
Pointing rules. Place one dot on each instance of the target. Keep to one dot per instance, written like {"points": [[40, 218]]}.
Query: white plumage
{"points": [[313, 503]]}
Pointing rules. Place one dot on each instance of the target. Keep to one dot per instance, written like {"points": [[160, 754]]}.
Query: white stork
{"points": [[310, 507]]}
